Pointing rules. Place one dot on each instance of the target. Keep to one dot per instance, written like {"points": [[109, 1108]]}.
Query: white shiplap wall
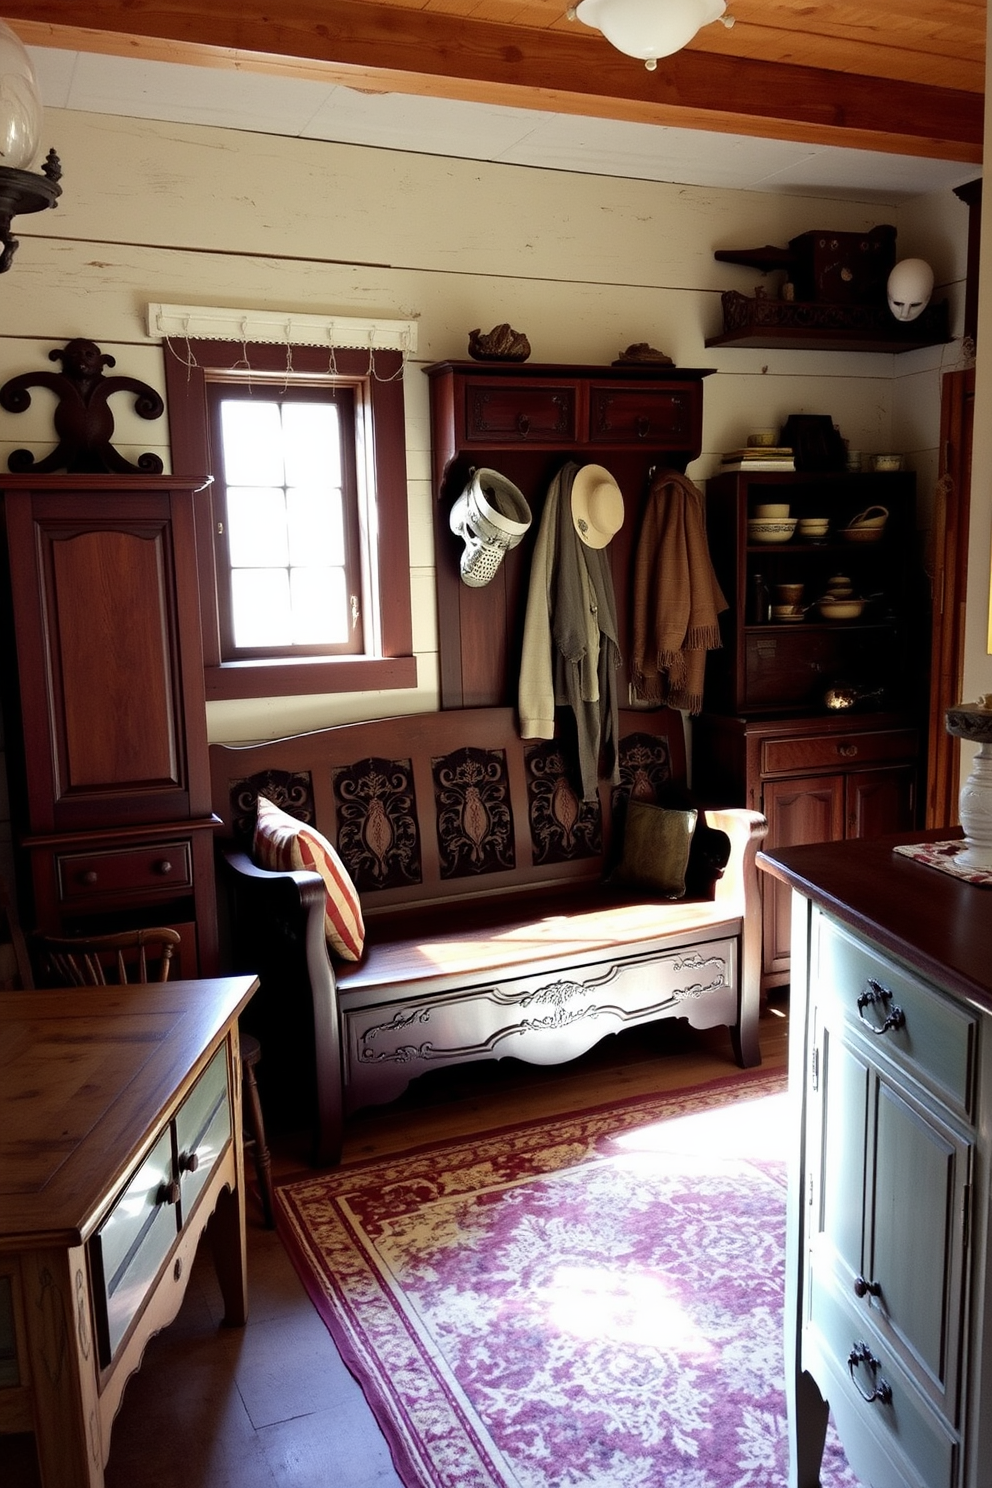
{"points": [[584, 265]]}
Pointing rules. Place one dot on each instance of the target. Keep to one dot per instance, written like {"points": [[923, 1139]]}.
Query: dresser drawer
{"points": [[157, 866], [496, 413], [930, 1037], [833, 751], [849, 1364], [203, 1129], [131, 1245], [665, 418]]}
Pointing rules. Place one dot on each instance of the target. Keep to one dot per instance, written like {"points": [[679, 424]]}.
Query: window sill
{"points": [[258, 679]]}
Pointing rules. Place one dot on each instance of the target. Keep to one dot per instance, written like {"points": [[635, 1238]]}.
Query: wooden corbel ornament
{"points": [[83, 420]]}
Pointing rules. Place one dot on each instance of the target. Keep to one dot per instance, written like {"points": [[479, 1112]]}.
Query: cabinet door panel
{"points": [[496, 413], [109, 655], [663, 417], [881, 801], [798, 811], [916, 1203], [843, 1118]]}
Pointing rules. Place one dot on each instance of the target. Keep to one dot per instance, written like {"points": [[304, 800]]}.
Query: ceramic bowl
{"points": [[788, 594], [787, 612], [832, 608], [762, 438], [777, 510], [861, 534], [886, 462], [770, 529], [813, 528]]}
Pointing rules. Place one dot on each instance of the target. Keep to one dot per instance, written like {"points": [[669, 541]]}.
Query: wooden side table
{"points": [[120, 1138]]}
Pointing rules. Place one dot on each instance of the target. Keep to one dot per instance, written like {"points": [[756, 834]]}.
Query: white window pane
{"points": [[316, 526], [313, 444], [256, 527], [320, 607], [261, 607], [251, 430]]}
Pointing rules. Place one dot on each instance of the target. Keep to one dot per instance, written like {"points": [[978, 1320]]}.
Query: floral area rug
{"points": [[587, 1302]]}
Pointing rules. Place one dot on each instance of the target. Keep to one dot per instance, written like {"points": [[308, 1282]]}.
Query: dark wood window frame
{"points": [[187, 367]]}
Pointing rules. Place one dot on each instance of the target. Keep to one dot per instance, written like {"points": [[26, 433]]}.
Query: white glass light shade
{"points": [[649, 29], [20, 103]]}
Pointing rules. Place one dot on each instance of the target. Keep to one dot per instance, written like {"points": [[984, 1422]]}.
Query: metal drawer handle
{"points": [[642, 426], [864, 1288], [873, 995], [188, 1162], [881, 1389], [523, 423], [847, 751], [163, 866]]}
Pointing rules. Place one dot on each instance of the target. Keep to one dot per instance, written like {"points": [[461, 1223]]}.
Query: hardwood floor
{"points": [[272, 1405]]}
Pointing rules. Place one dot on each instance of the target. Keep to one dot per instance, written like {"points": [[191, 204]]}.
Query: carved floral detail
{"points": [[291, 791], [474, 821], [562, 826], [378, 835]]}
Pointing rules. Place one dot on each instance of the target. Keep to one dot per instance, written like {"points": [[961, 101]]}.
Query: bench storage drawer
{"points": [[387, 1043]]}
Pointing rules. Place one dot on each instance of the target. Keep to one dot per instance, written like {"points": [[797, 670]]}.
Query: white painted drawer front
{"points": [[930, 1037], [132, 1243], [904, 1426], [534, 1018], [203, 1129]]}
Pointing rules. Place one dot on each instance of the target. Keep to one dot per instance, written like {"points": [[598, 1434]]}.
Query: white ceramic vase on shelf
{"points": [[973, 721]]}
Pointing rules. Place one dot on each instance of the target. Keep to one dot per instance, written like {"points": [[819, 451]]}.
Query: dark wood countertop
{"points": [[938, 924]]}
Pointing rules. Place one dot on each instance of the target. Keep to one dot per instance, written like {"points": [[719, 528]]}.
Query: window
{"points": [[302, 532], [289, 575]]}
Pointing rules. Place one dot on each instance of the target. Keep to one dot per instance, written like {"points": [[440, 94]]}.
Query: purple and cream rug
{"points": [[594, 1301]]}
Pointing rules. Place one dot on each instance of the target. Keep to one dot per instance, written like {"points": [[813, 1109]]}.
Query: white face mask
{"points": [[909, 288]]}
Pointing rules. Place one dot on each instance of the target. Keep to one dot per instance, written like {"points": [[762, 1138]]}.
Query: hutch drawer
{"points": [[513, 414], [158, 865], [833, 751], [667, 417]]}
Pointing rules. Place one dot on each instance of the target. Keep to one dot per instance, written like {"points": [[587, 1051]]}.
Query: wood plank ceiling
{"points": [[903, 76]]}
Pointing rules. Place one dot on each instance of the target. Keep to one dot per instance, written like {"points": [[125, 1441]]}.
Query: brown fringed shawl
{"points": [[676, 596]]}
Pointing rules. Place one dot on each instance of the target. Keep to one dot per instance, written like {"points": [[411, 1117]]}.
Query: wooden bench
{"points": [[490, 929]]}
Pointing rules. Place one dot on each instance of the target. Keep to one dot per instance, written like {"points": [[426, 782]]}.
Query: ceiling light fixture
{"points": [[21, 190], [649, 29]]}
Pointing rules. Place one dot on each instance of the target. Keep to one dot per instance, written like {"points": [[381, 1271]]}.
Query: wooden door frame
{"points": [[948, 567]]}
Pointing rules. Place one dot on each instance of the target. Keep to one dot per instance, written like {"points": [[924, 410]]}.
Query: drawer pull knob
{"points": [[168, 1194], [847, 751], [163, 866], [523, 423], [90, 876], [188, 1162], [864, 1288], [642, 425], [881, 1390], [875, 995]]}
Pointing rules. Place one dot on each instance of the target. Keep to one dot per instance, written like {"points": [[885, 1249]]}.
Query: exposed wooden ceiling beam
{"points": [[402, 49]]}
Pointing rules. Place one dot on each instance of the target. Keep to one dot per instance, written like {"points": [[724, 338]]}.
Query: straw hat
{"points": [[597, 506]]}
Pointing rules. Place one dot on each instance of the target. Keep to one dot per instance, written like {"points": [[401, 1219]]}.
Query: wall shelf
{"points": [[792, 325]]}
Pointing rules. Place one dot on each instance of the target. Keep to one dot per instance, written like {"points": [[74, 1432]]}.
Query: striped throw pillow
{"points": [[282, 844]]}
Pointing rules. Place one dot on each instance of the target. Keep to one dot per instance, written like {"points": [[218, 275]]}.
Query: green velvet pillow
{"points": [[656, 841]]}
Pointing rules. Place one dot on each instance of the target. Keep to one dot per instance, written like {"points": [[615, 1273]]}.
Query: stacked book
{"points": [[759, 457]]}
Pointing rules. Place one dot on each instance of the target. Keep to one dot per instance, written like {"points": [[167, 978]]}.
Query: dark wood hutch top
{"points": [[650, 371]]}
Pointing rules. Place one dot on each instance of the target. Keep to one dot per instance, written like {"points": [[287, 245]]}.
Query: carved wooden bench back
{"points": [[449, 805]]}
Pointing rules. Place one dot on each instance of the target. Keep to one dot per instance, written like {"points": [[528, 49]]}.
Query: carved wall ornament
{"points": [[501, 344], [83, 420]]}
